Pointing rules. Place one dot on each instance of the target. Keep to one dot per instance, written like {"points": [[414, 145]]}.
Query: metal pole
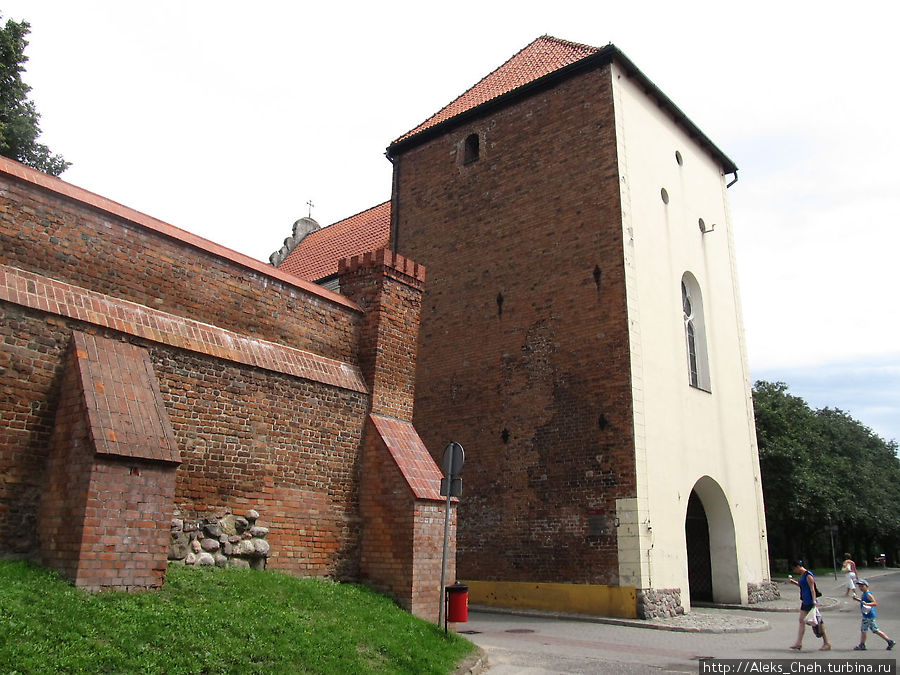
{"points": [[446, 538], [833, 558]]}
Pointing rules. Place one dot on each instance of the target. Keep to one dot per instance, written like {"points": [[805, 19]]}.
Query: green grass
{"points": [[211, 620]]}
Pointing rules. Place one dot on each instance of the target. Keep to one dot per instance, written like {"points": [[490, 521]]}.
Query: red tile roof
{"points": [[317, 255], [411, 456], [542, 57], [125, 409]]}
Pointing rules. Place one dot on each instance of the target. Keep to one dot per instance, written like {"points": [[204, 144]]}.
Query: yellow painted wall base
{"points": [[593, 600]]}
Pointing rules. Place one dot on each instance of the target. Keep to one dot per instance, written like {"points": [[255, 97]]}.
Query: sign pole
{"points": [[446, 539], [452, 463]]}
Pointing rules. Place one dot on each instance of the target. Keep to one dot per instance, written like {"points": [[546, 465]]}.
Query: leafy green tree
{"points": [[786, 434], [19, 118], [824, 475]]}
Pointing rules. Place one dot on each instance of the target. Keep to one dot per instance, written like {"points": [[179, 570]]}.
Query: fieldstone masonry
{"points": [[659, 603], [762, 592], [228, 541]]}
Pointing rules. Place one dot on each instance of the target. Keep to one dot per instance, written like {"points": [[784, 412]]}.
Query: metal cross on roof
{"points": [[310, 205]]}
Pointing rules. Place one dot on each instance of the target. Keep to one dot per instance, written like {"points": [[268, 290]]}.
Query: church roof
{"points": [[316, 256]]}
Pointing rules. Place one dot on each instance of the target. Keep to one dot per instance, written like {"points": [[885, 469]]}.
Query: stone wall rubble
{"points": [[226, 541]]}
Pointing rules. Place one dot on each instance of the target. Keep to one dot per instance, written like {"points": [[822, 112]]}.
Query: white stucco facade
{"points": [[687, 438]]}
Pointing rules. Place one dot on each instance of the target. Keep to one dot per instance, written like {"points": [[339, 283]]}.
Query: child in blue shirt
{"points": [[867, 605]]}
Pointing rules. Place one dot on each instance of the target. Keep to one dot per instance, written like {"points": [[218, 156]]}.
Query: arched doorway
{"points": [[696, 534], [711, 545]]}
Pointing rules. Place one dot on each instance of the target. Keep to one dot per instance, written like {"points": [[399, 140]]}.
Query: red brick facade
{"points": [[263, 378], [524, 352], [110, 485]]}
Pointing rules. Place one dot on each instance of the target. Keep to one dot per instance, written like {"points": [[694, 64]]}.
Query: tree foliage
{"points": [[824, 475], [19, 129]]}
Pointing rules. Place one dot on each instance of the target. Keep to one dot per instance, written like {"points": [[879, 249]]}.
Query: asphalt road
{"points": [[540, 646]]}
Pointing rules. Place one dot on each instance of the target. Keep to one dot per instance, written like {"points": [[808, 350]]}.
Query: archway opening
{"points": [[696, 534], [712, 555]]}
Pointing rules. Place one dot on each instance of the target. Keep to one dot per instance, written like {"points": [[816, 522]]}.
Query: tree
{"points": [[822, 470], [19, 118]]}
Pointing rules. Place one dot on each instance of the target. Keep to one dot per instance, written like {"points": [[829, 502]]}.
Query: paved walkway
{"points": [[539, 643], [712, 618]]}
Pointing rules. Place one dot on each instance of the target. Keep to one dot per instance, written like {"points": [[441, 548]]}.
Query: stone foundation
{"points": [[658, 603], [762, 592], [229, 541]]}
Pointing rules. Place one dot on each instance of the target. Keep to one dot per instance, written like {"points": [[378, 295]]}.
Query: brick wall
{"points": [[389, 287], [403, 521], [523, 345], [265, 383], [110, 481], [250, 438], [56, 229], [402, 511], [257, 371]]}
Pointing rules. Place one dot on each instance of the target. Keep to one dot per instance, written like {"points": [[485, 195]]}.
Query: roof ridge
{"points": [[569, 43], [444, 112], [359, 213]]}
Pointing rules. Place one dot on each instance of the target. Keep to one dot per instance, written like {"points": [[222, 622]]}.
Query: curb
{"points": [[749, 626]]}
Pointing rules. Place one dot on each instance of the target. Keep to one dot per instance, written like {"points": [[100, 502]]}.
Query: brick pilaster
{"points": [[388, 288]]}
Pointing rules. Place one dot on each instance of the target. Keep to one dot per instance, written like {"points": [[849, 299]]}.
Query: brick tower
{"points": [[581, 337]]}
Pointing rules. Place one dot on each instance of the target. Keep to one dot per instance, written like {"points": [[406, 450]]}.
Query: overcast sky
{"points": [[225, 118]]}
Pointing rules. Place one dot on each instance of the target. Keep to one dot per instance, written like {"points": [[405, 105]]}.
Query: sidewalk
{"points": [[716, 618]]}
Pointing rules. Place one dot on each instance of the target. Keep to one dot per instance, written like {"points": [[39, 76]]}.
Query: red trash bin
{"points": [[457, 603]]}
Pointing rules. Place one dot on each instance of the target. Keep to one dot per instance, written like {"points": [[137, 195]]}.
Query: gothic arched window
{"points": [[694, 333]]}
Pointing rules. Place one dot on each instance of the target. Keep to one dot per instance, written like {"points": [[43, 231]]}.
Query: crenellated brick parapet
{"points": [[388, 288], [392, 263]]}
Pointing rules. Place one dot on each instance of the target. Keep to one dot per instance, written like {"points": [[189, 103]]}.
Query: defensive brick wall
{"points": [[56, 229], [261, 422], [523, 344], [147, 374]]}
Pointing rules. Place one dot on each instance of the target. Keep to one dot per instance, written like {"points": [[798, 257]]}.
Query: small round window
{"points": [[664, 195], [678, 158]]}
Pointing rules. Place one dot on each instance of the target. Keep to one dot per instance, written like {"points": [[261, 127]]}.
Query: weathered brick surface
{"points": [[109, 489], [389, 288], [523, 346], [398, 528], [400, 505], [267, 383], [124, 254], [249, 438]]}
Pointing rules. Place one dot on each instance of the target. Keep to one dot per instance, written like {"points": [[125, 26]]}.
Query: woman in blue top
{"points": [[807, 584], [867, 606]]}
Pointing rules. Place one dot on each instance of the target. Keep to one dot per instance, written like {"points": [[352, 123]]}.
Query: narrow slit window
{"points": [[471, 149]]}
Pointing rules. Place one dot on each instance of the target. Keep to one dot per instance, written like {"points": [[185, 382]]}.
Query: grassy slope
{"points": [[213, 621]]}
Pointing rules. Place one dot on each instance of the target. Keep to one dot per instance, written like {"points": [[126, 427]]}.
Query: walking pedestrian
{"points": [[849, 569], [808, 602], [867, 605]]}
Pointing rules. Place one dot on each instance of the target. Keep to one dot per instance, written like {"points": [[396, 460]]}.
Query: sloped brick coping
{"points": [[107, 502], [411, 456], [64, 299], [125, 410]]}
